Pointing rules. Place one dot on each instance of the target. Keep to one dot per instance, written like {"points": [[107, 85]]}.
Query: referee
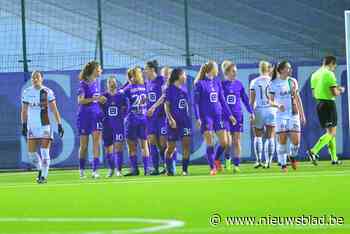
{"points": [[324, 89]]}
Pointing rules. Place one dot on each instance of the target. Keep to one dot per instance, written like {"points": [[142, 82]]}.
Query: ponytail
{"points": [[175, 75], [205, 69]]}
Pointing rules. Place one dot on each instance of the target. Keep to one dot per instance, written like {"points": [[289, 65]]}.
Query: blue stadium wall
{"points": [[64, 83]]}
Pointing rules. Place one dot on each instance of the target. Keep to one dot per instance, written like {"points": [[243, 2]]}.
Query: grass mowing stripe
{"points": [[142, 180]]}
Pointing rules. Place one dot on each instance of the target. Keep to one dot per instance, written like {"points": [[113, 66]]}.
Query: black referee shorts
{"points": [[327, 113]]}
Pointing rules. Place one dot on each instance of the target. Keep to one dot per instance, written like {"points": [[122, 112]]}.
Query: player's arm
{"points": [[85, 101], [57, 115], [24, 118], [159, 102], [170, 118], [252, 96], [196, 100], [337, 90], [273, 103]]}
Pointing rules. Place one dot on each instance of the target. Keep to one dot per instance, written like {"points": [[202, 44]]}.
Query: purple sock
{"points": [[110, 161], [218, 152], [133, 163], [95, 163], [145, 164], [210, 156], [236, 161], [185, 163], [82, 163], [155, 156], [118, 160], [169, 164]]}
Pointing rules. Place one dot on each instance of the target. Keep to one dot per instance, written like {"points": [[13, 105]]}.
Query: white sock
{"points": [[266, 150], [282, 154], [272, 148], [258, 148], [45, 154], [294, 150], [35, 159]]}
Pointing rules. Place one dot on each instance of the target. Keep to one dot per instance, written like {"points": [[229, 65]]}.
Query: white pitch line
{"points": [[256, 176], [162, 224]]}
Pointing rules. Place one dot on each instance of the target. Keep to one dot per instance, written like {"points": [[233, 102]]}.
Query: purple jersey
{"points": [[136, 96], [178, 101], [154, 90], [234, 92], [209, 100], [114, 110], [89, 90]]}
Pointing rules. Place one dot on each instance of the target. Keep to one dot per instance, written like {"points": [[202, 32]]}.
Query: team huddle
{"points": [[151, 111]]}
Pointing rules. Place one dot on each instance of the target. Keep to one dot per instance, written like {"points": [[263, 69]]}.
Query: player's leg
{"points": [[327, 117], [83, 150], [34, 157], [109, 150], [258, 134], [162, 144], [222, 138], [236, 136], [108, 140], [186, 151], [96, 142], [132, 149], [171, 145], [221, 133], [227, 152], [145, 156], [294, 134], [269, 146], [118, 159], [282, 150], [45, 158], [153, 148], [258, 146], [209, 141]]}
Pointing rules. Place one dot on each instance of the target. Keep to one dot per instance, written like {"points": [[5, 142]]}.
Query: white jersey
{"points": [[261, 86], [282, 91], [38, 105]]}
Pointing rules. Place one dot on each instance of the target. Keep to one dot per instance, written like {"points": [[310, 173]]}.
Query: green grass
{"points": [[71, 205]]}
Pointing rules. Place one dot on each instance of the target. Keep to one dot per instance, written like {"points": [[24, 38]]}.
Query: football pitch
{"points": [[199, 203]]}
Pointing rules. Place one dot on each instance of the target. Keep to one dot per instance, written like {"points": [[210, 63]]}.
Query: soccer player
{"points": [[156, 124], [234, 93], [166, 72], [284, 94], [136, 120], [114, 108], [178, 119], [325, 89], [89, 116], [265, 116], [209, 108], [37, 101]]}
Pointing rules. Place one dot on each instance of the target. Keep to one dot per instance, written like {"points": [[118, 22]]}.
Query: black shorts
{"points": [[327, 113]]}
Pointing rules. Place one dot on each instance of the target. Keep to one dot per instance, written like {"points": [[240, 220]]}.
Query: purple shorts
{"points": [[87, 123], [212, 124], [239, 125], [111, 136], [135, 129], [183, 129], [157, 126]]}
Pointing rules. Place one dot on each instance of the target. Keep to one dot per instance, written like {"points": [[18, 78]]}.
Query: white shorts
{"points": [[40, 132], [285, 124], [264, 117]]}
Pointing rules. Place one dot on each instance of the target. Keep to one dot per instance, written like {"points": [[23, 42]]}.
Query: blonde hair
{"points": [[137, 75], [226, 65], [205, 69], [165, 70], [110, 78], [264, 67]]}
